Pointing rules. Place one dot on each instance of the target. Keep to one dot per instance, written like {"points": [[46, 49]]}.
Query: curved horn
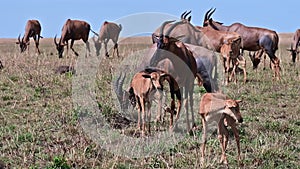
{"points": [[55, 41], [186, 14], [172, 27], [19, 38], [163, 27], [206, 14], [211, 13], [183, 14], [118, 86]]}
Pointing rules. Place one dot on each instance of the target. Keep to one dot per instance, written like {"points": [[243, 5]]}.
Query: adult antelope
{"points": [[180, 64], [32, 29], [143, 86], [73, 30], [253, 39], [108, 30], [294, 45], [205, 37]]}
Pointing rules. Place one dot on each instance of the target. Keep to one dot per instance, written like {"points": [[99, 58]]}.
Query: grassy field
{"points": [[42, 127]]}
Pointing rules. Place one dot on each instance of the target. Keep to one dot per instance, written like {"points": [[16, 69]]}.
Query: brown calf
{"points": [[143, 86], [215, 108], [230, 52]]}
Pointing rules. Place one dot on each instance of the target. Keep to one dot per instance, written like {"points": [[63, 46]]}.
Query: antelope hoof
{"points": [[107, 55], [76, 54]]}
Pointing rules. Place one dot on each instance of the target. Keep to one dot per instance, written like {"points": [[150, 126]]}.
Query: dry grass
{"points": [[40, 127]]}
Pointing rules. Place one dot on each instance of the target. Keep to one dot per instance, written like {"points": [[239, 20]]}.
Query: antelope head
{"points": [[59, 47], [23, 45]]}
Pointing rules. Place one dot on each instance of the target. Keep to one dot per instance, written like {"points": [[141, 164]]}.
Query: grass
{"points": [[41, 127]]}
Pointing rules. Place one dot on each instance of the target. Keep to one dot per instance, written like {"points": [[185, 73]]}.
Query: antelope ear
{"points": [[166, 39], [155, 38], [164, 75], [239, 101], [230, 103]]}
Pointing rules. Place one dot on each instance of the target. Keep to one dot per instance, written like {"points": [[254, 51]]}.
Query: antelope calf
{"points": [[230, 51], [218, 108], [143, 86]]}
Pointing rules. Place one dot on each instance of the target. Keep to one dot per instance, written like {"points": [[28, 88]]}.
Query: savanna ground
{"points": [[40, 124]]}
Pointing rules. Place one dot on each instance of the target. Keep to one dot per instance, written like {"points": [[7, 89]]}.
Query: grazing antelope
{"points": [[73, 30], [32, 29], [253, 39], [219, 109], [257, 56], [294, 45], [143, 86], [108, 30]]}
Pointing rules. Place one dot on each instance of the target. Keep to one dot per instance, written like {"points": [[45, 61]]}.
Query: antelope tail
{"points": [[95, 32]]}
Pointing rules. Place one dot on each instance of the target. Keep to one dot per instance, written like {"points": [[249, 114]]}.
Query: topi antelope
{"points": [[108, 30], [294, 45], [32, 29], [73, 30], [253, 39], [229, 54], [173, 57], [143, 86], [219, 109]]}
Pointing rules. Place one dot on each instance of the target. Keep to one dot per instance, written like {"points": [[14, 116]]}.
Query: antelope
{"points": [[228, 45], [294, 45], [228, 51], [217, 108], [73, 30], [257, 55], [253, 39], [205, 37], [32, 29], [206, 61], [143, 86], [108, 30], [177, 60]]}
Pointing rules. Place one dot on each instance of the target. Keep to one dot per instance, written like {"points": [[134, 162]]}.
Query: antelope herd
{"points": [[183, 52]]}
